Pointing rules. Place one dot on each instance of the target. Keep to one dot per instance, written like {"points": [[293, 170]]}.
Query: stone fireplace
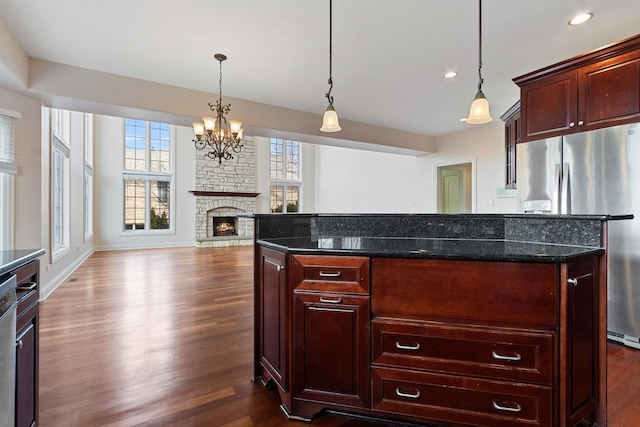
{"points": [[224, 191]]}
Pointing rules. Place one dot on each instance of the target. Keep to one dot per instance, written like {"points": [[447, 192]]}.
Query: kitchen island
{"points": [[486, 320]]}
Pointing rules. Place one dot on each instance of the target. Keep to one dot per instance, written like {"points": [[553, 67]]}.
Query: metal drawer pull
{"points": [[27, 288], [19, 344], [516, 408], [331, 301], [323, 274], [409, 395], [511, 358], [416, 346]]}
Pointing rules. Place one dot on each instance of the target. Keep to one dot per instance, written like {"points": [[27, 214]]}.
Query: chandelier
{"points": [[221, 137]]}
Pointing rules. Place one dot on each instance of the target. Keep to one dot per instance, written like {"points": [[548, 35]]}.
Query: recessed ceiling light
{"points": [[450, 75], [581, 19]]}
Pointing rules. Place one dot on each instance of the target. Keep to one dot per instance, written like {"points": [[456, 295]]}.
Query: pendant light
{"points": [[479, 111], [330, 120]]}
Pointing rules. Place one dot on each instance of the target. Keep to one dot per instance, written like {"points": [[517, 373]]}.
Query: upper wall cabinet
{"points": [[595, 90]]}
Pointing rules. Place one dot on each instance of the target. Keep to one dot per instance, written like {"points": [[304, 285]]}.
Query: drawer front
{"points": [[331, 273], [506, 294], [457, 399], [480, 352]]}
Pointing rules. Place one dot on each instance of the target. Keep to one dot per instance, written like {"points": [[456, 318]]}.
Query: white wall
{"points": [[108, 215], [360, 181]]}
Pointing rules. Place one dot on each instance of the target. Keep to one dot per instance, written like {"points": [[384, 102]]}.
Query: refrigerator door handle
{"points": [[557, 177], [565, 190]]}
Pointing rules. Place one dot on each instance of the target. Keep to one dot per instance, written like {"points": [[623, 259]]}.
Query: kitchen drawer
{"points": [[506, 294], [26, 300], [499, 354], [458, 399], [342, 274]]}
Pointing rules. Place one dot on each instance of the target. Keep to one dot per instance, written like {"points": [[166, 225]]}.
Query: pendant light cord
{"points": [[329, 97], [480, 47]]}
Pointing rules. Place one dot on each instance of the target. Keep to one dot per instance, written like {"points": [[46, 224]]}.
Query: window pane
{"points": [[134, 205], [159, 156], [58, 199], [293, 160], [276, 198], [276, 158], [293, 197], [159, 205], [135, 136], [88, 202]]}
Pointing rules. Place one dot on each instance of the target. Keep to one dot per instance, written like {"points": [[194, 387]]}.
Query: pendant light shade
{"points": [[330, 119], [479, 111]]}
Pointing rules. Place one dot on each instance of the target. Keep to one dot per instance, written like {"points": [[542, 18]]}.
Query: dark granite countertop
{"points": [[462, 249], [10, 260]]}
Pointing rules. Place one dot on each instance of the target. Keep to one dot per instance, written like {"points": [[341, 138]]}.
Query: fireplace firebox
{"points": [[225, 226]]}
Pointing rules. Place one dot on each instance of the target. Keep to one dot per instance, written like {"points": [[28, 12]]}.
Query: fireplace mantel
{"points": [[222, 193]]}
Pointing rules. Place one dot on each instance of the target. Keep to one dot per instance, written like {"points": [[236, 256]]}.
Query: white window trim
{"points": [[8, 170], [88, 203], [148, 177], [65, 151]]}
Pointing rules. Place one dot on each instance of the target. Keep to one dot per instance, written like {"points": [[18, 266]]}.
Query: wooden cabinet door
{"points": [[27, 370], [579, 341], [273, 314], [609, 92], [331, 349], [549, 106]]}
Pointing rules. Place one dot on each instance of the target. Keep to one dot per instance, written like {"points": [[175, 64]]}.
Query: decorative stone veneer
{"points": [[237, 176]]}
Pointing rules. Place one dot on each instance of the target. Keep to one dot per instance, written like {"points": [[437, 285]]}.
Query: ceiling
{"points": [[389, 57]]}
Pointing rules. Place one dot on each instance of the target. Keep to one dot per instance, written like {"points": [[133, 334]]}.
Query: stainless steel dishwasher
{"points": [[8, 305]]}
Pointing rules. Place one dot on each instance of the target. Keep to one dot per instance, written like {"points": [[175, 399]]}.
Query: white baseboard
{"points": [[47, 289], [143, 246]]}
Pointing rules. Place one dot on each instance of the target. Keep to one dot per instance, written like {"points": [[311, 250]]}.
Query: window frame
{"points": [[88, 177], [282, 181], [8, 170], [60, 197], [148, 177]]}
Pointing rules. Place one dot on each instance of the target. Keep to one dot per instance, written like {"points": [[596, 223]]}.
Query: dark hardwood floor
{"points": [[164, 337]]}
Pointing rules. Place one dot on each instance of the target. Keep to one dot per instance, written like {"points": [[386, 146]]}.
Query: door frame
{"points": [[473, 179]]}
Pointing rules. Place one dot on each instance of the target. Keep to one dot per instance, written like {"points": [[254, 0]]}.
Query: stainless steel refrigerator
{"points": [[595, 172]]}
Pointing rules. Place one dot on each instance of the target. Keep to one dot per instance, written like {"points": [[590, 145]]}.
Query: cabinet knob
{"points": [[573, 282], [279, 268], [580, 123], [19, 344], [572, 124]]}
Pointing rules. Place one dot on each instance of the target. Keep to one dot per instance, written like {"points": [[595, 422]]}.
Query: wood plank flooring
{"points": [[164, 337]]}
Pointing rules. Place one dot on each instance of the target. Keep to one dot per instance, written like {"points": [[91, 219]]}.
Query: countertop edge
{"points": [[19, 262], [536, 258]]}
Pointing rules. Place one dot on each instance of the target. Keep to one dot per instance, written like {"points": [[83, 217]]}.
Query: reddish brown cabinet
{"points": [[436, 341], [27, 345], [595, 90], [512, 137], [273, 307], [331, 339]]}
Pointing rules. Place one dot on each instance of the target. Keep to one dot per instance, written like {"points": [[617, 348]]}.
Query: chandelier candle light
{"points": [[479, 111], [330, 120], [221, 137]]}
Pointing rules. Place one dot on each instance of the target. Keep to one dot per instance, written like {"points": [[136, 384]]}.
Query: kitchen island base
{"points": [[435, 337]]}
